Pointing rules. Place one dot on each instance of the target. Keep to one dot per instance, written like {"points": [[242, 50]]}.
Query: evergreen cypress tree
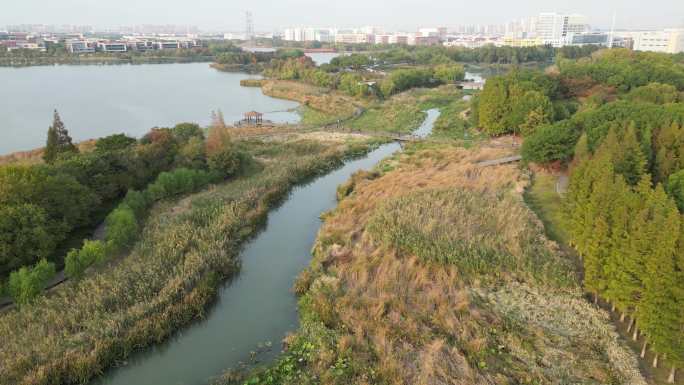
{"points": [[597, 237], [58, 140], [622, 209], [658, 310]]}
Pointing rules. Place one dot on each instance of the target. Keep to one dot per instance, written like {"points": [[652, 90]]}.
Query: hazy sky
{"points": [[273, 14]]}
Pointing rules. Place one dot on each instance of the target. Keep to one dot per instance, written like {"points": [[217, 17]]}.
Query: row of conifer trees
{"points": [[630, 236]]}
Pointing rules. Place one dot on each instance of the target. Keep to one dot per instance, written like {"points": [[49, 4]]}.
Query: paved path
{"points": [[562, 184]]}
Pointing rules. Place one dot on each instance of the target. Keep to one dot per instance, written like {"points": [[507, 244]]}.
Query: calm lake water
{"points": [[257, 308], [96, 101]]}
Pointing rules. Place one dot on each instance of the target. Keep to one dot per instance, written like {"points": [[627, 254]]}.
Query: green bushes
{"points": [[77, 261], [550, 143], [227, 162], [405, 79], [180, 181], [27, 283], [122, 228], [123, 223], [449, 73]]}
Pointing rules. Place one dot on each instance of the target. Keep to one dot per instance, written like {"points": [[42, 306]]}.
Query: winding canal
{"points": [[256, 309]]}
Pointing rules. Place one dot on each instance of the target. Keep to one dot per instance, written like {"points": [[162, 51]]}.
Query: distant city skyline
{"points": [[220, 15]]}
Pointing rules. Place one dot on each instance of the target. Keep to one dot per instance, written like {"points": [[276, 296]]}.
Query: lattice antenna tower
{"points": [[249, 26]]}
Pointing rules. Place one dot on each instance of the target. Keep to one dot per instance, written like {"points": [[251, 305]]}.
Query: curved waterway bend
{"points": [[258, 305]]}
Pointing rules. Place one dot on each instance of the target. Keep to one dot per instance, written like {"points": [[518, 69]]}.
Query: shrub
{"points": [[122, 228], [77, 261], [405, 79], [226, 162], [550, 143], [137, 201], [27, 283], [449, 73], [178, 182]]}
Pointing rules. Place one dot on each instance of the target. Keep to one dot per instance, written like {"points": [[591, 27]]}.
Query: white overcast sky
{"points": [[275, 14]]}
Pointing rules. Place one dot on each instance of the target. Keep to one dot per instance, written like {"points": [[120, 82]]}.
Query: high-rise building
{"points": [[554, 29]]}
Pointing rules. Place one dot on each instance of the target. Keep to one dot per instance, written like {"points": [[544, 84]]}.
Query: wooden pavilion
{"points": [[254, 117]]}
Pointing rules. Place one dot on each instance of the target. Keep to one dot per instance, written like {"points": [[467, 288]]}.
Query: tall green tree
{"points": [[58, 141], [659, 308]]}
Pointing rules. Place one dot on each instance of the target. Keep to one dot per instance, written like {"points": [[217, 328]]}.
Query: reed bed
{"points": [[187, 248], [435, 272]]}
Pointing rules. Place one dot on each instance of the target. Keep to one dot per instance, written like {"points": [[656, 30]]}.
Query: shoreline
{"points": [[99, 60]]}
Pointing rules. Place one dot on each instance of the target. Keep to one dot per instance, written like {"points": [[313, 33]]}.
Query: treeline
{"points": [[43, 206], [361, 83], [551, 109], [488, 54], [617, 119], [231, 55], [631, 239]]}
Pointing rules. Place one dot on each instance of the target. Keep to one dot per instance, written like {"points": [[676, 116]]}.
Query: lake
{"points": [[96, 101]]}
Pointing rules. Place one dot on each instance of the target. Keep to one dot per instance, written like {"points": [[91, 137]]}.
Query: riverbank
{"points": [[187, 249], [100, 60], [433, 270]]}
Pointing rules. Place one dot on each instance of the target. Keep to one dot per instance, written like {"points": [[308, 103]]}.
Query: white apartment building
{"points": [[308, 34], [665, 41], [554, 28]]}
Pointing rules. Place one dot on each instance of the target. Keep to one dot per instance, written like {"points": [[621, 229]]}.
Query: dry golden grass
{"points": [[373, 313], [330, 102], [36, 156]]}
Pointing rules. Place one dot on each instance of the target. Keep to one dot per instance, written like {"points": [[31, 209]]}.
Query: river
{"points": [[257, 307], [100, 100]]}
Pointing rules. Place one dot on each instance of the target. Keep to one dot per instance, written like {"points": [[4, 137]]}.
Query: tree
{"points": [[656, 93], [217, 120], [494, 107], [669, 149], [552, 142], [449, 73], [529, 110], [660, 307], [675, 188], [122, 229], [25, 236], [27, 283], [116, 142], [77, 261], [186, 131], [58, 141]]}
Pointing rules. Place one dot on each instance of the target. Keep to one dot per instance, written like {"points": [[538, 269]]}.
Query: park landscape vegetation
{"points": [[432, 270]]}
